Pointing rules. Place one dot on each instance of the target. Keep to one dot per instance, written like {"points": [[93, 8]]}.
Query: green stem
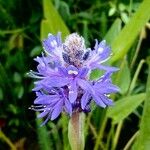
{"points": [[7, 140], [100, 134], [109, 137], [76, 131], [117, 134], [137, 49], [132, 85], [127, 146]]}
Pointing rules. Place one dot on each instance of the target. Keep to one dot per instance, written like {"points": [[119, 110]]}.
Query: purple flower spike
{"points": [[63, 73]]}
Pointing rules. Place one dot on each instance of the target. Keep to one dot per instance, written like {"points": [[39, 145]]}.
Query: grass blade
{"points": [[143, 141], [125, 39]]}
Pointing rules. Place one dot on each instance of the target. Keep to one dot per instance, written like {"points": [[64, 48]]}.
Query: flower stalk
{"points": [[76, 131]]}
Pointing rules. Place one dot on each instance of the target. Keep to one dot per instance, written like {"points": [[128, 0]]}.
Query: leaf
{"points": [[124, 107], [125, 39], [43, 138], [35, 51], [143, 141], [113, 31], [95, 74], [123, 77], [52, 21]]}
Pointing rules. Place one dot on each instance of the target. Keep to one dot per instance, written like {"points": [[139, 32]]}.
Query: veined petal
{"points": [[105, 88], [43, 114], [85, 85], [72, 70], [63, 71], [57, 110], [46, 120], [46, 99], [73, 91], [98, 101], [82, 72], [68, 107], [51, 42], [106, 68], [55, 81], [102, 50], [85, 99], [106, 100]]}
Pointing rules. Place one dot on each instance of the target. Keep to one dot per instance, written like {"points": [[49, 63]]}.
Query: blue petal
{"points": [[43, 114], [55, 81], [51, 42], [63, 71], [85, 85], [98, 101], [57, 110], [47, 119], [83, 72], [85, 99], [106, 68], [46, 99], [73, 91], [106, 100], [72, 70], [68, 107], [105, 88]]}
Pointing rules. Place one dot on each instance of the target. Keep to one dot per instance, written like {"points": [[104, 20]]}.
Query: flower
{"points": [[63, 73]]}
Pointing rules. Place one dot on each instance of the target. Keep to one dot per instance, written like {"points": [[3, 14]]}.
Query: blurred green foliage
{"points": [[123, 23]]}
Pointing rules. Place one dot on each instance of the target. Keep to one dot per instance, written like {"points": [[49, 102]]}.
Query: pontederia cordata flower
{"points": [[63, 74]]}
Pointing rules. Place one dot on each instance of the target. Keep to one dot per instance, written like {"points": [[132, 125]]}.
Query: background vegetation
{"points": [[125, 26]]}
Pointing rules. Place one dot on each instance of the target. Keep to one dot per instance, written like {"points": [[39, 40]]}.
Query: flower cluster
{"points": [[63, 73]]}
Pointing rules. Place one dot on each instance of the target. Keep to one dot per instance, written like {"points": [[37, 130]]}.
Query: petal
{"points": [[46, 99], [58, 39], [57, 110], [46, 120], [106, 100], [106, 68], [55, 81], [68, 107], [73, 91], [85, 85], [98, 101], [72, 70], [63, 71], [43, 114], [83, 72], [50, 43], [85, 99], [105, 77], [105, 88], [102, 50]]}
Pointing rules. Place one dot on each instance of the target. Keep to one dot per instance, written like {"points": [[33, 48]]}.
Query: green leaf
{"points": [[124, 107], [143, 141], [113, 31], [123, 77], [1, 94], [112, 11], [52, 22], [35, 51], [125, 39], [43, 138], [95, 74]]}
